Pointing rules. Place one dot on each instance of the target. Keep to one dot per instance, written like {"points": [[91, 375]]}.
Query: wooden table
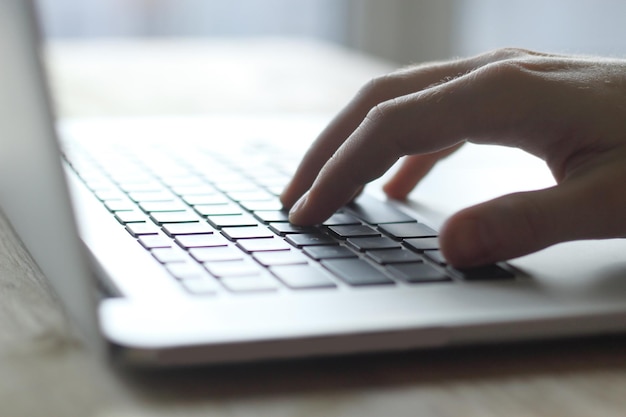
{"points": [[45, 373]]}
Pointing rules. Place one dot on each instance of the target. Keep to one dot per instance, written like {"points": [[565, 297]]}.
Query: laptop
{"points": [[164, 240]]}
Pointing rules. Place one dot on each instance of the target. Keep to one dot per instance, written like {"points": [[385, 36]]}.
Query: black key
{"points": [[98, 182], [417, 272], [248, 232], [288, 228], [200, 241], [218, 209], [169, 255], [393, 256], [273, 180], [303, 276], [356, 272], [256, 195], [422, 244], [283, 257], [155, 206], [407, 230], [239, 220], [374, 211], [238, 268], [371, 243], [216, 254], [140, 196], [262, 245], [487, 272], [329, 252], [179, 177], [435, 256], [232, 186], [359, 230], [310, 239], [341, 219], [174, 217], [125, 172], [155, 241], [120, 205], [246, 284], [135, 216], [272, 216], [138, 229], [146, 186], [197, 189], [205, 199], [192, 228], [254, 205], [110, 195]]}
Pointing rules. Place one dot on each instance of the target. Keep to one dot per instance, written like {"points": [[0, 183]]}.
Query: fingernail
{"points": [[293, 213]]}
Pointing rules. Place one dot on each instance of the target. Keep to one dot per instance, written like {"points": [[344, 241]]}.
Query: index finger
{"points": [[377, 91], [367, 153]]}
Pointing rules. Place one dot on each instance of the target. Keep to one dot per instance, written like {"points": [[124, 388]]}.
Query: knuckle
{"points": [[382, 88], [374, 90], [502, 69], [503, 74], [508, 63], [383, 111], [501, 54]]}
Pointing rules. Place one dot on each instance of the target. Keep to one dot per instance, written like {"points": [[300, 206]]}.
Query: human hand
{"points": [[570, 111]]}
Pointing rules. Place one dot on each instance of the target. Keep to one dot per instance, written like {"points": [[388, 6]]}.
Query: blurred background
{"points": [[162, 57], [402, 31]]}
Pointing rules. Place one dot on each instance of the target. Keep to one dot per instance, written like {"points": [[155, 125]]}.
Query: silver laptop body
{"points": [[148, 318]]}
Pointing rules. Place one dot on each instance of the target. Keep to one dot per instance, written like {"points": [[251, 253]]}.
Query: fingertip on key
{"points": [[296, 211]]}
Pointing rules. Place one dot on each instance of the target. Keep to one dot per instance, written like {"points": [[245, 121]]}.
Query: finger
{"points": [[320, 151], [381, 89], [378, 90], [472, 106], [412, 170], [522, 223]]}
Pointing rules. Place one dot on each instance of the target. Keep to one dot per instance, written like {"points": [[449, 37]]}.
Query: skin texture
{"points": [[568, 110]]}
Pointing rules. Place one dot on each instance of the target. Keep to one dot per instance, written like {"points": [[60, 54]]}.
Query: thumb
{"points": [[515, 225]]}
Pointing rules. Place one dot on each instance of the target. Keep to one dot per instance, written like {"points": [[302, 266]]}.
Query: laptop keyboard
{"points": [[216, 224]]}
